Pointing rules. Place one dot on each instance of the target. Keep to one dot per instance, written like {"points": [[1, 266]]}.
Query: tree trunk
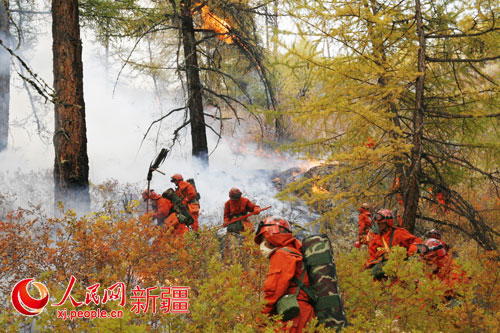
{"points": [[4, 75], [71, 167], [411, 189], [195, 95]]}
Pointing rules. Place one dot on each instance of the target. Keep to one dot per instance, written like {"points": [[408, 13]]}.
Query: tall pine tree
{"points": [[71, 166], [407, 105]]}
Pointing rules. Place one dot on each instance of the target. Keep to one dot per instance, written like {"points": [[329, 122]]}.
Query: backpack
{"points": [[182, 212], [191, 181], [323, 290]]}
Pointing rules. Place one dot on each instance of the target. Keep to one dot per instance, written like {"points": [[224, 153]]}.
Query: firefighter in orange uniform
{"points": [[364, 224], [436, 234], [277, 243], [235, 207], [387, 237], [163, 213], [187, 193], [435, 254]]}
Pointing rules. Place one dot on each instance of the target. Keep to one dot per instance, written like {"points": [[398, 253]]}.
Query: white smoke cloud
{"points": [[116, 123]]}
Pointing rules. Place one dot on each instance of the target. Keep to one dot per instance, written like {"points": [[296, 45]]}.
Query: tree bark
{"points": [[4, 75], [411, 185], [71, 167], [195, 94], [379, 52]]}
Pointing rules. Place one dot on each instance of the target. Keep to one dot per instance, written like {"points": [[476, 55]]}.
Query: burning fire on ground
{"points": [[276, 157], [317, 189]]}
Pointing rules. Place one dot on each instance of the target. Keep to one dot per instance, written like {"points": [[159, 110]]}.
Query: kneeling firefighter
{"points": [[389, 235], [287, 273], [164, 212], [161, 206], [187, 194]]}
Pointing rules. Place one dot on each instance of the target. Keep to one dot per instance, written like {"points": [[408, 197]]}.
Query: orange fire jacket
{"points": [[186, 192], [240, 206], [402, 237], [162, 208], [283, 267], [173, 222], [445, 269]]}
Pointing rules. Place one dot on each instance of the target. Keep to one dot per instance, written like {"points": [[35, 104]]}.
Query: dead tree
{"points": [[194, 87]]}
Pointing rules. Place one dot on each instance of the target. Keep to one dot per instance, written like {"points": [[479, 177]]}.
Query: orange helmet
{"points": [[176, 177], [435, 248], [270, 226], [152, 195], [384, 216], [234, 193]]}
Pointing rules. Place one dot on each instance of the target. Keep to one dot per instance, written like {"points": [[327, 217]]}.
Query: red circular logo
{"points": [[24, 303]]}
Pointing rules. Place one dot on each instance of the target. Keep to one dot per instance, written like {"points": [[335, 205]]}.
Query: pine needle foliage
{"points": [[359, 109]]}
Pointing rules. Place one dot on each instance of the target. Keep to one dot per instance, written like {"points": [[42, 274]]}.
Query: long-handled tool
{"points": [[247, 215], [154, 167]]}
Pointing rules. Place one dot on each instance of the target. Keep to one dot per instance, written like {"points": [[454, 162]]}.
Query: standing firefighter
{"points": [[187, 193], [364, 224], [238, 206], [164, 213], [286, 273], [388, 236]]}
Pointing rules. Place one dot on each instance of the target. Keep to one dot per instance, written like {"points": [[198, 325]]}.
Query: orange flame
{"points": [[308, 164], [214, 23], [318, 189]]}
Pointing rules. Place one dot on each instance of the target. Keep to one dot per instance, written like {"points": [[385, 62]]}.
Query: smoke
{"points": [[117, 120]]}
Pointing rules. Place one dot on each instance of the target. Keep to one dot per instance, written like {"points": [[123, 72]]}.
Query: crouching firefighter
{"points": [[164, 213], [161, 206], [182, 214], [388, 236], [287, 281], [188, 195]]}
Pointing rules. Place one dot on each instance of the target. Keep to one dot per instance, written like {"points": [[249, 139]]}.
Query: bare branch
{"points": [[160, 119], [214, 117], [176, 132], [36, 82], [213, 130], [226, 99]]}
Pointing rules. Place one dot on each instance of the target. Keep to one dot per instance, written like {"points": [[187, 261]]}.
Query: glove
{"points": [[225, 224], [257, 210]]}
